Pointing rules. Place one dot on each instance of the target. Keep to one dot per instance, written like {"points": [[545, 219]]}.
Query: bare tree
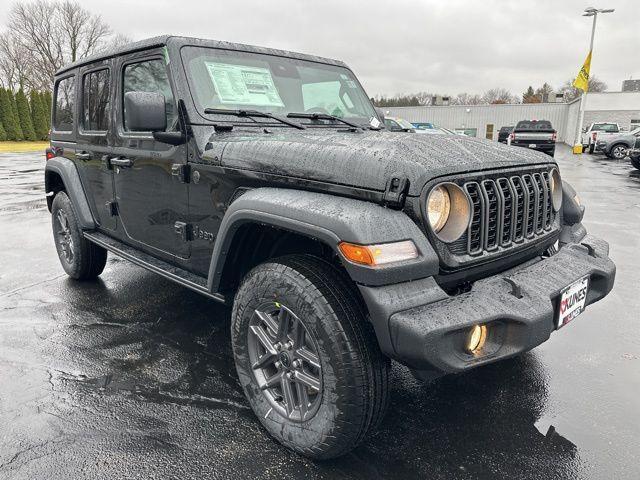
{"points": [[49, 35], [467, 99], [15, 70], [499, 95], [570, 92]]}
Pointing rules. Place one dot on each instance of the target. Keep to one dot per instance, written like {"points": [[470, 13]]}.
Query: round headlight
{"points": [[438, 208], [448, 211], [556, 189]]}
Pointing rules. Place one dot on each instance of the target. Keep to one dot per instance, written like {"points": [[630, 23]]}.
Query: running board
{"points": [[173, 273]]}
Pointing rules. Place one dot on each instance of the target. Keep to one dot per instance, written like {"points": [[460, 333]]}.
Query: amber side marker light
{"points": [[381, 254], [476, 338]]}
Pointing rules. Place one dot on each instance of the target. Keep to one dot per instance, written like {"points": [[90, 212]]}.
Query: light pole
{"points": [[588, 12]]}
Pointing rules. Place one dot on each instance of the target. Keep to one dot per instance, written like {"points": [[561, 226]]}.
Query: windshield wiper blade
{"points": [[253, 113], [323, 116]]}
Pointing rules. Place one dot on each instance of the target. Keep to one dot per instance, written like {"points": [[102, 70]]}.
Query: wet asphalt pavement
{"points": [[132, 376]]}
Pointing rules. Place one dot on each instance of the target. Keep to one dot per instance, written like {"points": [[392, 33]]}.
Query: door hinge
{"points": [[395, 192], [184, 231], [112, 208], [180, 171]]}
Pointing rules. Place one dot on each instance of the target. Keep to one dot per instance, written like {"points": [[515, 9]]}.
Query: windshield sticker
{"points": [[351, 84], [244, 85], [374, 122]]}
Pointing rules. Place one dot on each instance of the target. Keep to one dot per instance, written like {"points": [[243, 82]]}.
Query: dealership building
{"points": [[485, 120]]}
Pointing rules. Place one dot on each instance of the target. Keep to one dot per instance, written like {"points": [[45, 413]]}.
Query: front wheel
{"points": [[81, 259], [307, 357], [618, 152]]}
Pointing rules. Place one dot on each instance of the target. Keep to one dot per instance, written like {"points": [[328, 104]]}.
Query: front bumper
{"points": [[430, 337]]}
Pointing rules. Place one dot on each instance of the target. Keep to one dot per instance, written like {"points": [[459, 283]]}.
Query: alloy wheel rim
{"points": [[64, 236], [285, 362], [618, 152]]}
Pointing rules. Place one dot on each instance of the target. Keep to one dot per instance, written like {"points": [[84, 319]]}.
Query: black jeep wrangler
{"points": [[265, 179]]}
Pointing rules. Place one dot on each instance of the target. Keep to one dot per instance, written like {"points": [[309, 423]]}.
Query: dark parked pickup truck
{"points": [[265, 180], [534, 134], [503, 134]]}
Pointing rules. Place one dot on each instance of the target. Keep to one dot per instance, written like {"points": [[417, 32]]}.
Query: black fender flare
{"points": [[329, 219], [67, 171]]}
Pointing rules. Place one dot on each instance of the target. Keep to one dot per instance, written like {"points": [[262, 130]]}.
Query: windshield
{"points": [[232, 80]]}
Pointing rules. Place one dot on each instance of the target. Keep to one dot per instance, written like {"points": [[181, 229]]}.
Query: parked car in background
{"points": [[634, 153], [431, 131], [503, 134], [616, 146], [598, 131], [534, 134], [423, 125], [452, 132], [397, 124]]}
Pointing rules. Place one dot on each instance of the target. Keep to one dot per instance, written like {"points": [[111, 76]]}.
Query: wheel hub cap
{"points": [[64, 236], [285, 362]]}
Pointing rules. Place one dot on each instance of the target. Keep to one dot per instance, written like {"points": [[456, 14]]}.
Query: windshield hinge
{"points": [[395, 192], [181, 172], [184, 231]]}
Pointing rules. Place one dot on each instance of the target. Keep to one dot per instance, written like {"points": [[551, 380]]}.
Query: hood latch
{"points": [[395, 192]]}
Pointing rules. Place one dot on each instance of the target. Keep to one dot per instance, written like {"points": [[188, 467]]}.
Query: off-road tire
{"points": [[87, 260], [592, 147], [355, 374], [617, 152]]}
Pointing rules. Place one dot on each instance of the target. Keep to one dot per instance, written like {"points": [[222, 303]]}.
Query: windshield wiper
{"points": [[323, 116], [252, 113]]}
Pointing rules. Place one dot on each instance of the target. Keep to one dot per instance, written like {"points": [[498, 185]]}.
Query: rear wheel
{"points": [[80, 258], [306, 356], [619, 151]]}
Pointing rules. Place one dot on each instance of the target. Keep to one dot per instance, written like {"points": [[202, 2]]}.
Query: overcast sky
{"points": [[402, 46]]}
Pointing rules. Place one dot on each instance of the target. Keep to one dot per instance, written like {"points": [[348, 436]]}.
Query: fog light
{"points": [[476, 338]]}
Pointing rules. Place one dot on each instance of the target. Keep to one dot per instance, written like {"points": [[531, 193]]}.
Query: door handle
{"points": [[121, 162], [83, 156]]}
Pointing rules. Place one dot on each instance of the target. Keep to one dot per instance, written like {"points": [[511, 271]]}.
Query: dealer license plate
{"points": [[533, 145], [572, 300]]}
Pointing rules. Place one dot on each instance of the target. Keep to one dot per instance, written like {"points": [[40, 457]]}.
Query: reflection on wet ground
{"points": [[132, 376]]}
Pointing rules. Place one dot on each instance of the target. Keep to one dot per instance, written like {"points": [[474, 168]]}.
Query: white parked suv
{"points": [[596, 131]]}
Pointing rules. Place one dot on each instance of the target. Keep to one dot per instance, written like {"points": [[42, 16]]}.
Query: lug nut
{"points": [[297, 363], [278, 346], [278, 365], [289, 345], [290, 376]]}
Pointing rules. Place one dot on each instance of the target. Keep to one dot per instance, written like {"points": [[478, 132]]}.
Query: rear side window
{"points": [[604, 127], [64, 104], [150, 76], [95, 100], [534, 125]]}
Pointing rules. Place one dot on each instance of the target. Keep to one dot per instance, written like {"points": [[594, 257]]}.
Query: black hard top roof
{"points": [[180, 41]]}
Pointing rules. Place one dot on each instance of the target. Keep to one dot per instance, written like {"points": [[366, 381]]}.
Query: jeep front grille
{"points": [[507, 211]]}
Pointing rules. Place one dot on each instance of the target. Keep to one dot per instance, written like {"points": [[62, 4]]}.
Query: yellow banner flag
{"points": [[582, 80]]}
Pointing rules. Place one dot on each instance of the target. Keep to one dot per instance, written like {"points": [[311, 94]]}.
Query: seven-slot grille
{"points": [[508, 210]]}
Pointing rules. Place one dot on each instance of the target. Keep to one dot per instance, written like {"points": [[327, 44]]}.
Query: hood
{"points": [[368, 159]]}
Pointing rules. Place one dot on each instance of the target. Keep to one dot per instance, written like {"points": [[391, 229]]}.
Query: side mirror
{"points": [[585, 129], [145, 111]]}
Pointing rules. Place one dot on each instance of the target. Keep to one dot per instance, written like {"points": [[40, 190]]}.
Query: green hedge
{"points": [[23, 118]]}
